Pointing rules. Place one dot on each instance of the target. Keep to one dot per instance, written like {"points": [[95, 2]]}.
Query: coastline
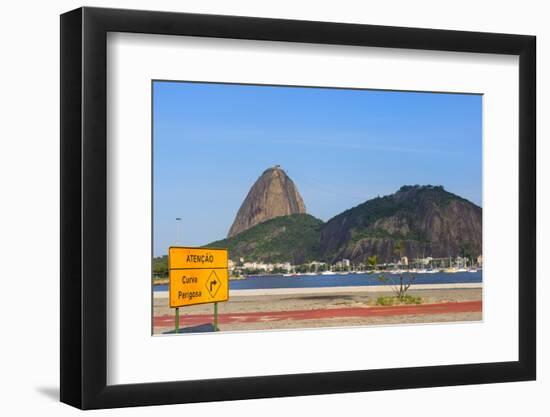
{"points": [[337, 290]]}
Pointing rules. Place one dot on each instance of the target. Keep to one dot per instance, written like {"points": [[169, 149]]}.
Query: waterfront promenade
{"points": [[288, 308]]}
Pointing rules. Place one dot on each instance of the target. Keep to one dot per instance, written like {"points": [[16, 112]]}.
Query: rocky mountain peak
{"points": [[273, 194], [427, 220]]}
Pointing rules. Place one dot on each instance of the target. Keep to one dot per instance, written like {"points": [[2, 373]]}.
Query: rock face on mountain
{"points": [[416, 221], [272, 195]]}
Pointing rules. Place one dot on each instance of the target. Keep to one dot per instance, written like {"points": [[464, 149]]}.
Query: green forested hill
{"points": [[425, 220], [293, 238]]}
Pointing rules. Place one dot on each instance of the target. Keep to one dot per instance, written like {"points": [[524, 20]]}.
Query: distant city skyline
{"points": [[341, 147]]}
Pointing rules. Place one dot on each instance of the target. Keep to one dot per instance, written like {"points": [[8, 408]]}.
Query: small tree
{"points": [[398, 248], [400, 287], [372, 261], [160, 267], [466, 251]]}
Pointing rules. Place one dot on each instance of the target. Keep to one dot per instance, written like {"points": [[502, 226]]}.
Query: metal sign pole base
{"points": [[216, 329]]}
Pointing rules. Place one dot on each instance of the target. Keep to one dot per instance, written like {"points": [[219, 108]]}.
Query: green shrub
{"points": [[390, 301]]}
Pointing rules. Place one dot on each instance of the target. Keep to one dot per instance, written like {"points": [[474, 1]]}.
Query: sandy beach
{"points": [[260, 309]]}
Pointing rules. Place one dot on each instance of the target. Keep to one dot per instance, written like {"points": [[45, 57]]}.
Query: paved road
{"points": [[267, 316]]}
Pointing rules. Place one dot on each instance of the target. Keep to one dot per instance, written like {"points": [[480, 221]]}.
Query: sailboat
{"points": [[451, 269], [461, 268], [328, 272]]}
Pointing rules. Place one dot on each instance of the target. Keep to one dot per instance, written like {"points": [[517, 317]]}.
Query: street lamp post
{"points": [[178, 220]]}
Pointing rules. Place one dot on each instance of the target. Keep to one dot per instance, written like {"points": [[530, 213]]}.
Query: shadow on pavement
{"points": [[201, 328]]}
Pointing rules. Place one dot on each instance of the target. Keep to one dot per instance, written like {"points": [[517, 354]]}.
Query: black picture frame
{"points": [[84, 207]]}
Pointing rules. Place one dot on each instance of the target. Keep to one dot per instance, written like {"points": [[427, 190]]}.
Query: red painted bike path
{"points": [[347, 312]]}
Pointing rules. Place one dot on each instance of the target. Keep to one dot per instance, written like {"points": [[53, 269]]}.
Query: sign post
{"points": [[216, 317], [197, 276]]}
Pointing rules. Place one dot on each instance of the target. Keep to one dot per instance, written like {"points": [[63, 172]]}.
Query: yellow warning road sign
{"points": [[180, 257], [197, 276]]}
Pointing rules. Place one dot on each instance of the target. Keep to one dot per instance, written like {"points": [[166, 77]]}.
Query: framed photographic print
{"points": [[257, 207]]}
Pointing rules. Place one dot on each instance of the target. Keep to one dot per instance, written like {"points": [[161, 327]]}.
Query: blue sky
{"points": [[341, 147]]}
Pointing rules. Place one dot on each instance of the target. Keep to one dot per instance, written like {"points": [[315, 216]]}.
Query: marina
{"points": [[309, 280]]}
